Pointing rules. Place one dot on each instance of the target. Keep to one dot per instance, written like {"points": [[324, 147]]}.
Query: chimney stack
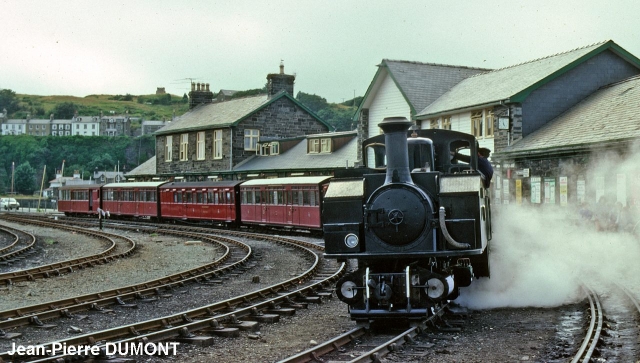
{"points": [[280, 82], [199, 94]]}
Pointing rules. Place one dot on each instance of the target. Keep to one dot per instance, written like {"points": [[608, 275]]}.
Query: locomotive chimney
{"points": [[395, 139]]}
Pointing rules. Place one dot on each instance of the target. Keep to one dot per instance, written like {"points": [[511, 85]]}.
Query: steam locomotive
{"points": [[416, 219]]}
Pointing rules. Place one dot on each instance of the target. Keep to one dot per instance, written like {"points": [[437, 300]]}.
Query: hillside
{"points": [[147, 107]]}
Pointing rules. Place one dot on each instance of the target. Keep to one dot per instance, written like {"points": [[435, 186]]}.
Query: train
{"points": [[286, 203], [414, 223]]}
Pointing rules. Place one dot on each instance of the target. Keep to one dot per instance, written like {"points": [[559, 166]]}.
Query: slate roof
{"points": [[421, 83], [226, 114], [297, 158], [513, 84], [146, 168], [608, 115]]}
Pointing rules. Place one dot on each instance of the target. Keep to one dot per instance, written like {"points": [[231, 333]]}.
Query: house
{"points": [[213, 137], [404, 88], [581, 156], [526, 114], [85, 125], [318, 154], [528, 95], [224, 95]]}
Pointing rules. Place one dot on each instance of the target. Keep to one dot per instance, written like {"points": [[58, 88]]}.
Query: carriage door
{"points": [[264, 205], [91, 192], [294, 196]]}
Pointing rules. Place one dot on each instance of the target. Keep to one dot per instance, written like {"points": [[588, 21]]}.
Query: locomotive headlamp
{"points": [[351, 240]]}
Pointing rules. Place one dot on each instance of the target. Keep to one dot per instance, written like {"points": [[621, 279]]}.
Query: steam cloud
{"points": [[540, 255]]}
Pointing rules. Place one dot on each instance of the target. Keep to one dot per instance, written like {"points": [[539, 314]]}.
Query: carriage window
{"points": [[229, 197], [142, 196], [199, 197], [178, 197], [258, 196], [189, 197]]}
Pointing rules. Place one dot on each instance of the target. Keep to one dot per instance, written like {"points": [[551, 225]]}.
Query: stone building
{"points": [[506, 108], [217, 136]]}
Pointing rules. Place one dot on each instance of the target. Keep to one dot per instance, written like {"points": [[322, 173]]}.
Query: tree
{"points": [[8, 101], [64, 110], [315, 103], [24, 178]]}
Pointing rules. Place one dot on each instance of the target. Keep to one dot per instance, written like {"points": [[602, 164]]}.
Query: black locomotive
{"points": [[416, 219]]}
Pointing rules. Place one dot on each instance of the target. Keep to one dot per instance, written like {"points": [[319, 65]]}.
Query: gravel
{"points": [[499, 335]]}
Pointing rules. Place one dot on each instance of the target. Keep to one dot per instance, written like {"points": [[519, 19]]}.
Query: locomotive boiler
{"points": [[416, 220]]}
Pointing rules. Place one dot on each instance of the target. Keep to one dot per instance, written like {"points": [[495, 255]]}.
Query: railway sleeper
{"points": [[187, 337], [252, 326], [221, 331]]}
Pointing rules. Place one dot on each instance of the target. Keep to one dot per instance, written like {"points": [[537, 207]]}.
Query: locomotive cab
{"points": [[417, 222]]}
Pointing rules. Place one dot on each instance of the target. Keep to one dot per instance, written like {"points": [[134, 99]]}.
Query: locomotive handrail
{"points": [[452, 242]]}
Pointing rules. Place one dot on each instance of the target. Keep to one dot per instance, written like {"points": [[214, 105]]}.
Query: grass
{"points": [[92, 105]]}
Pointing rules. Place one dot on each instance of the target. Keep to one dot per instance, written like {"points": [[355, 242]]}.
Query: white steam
{"points": [[540, 255]]}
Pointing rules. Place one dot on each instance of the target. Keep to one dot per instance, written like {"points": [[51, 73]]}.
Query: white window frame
{"points": [[325, 145], [488, 122], [275, 148], [217, 144], [184, 147], [251, 137], [200, 145], [477, 128], [168, 148], [314, 146]]}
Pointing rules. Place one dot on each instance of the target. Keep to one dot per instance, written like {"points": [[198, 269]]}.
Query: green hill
{"points": [[147, 107]]}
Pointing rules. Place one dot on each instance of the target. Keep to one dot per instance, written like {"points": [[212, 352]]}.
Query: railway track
{"points": [[23, 243], [270, 298], [364, 343], [118, 247], [234, 255], [613, 330]]}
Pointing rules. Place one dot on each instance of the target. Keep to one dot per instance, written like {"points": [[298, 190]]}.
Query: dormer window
{"points": [[269, 148], [320, 145]]}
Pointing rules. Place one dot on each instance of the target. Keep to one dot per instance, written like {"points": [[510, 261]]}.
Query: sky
{"points": [[86, 47]]}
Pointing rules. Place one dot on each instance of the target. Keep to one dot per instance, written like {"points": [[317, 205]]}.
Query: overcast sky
{"points": [[116, 47]]}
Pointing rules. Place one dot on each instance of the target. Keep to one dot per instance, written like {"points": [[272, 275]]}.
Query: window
{"points": [[184, 147], [314, 146], [264, 149], [488, 115], [200, 145], [251, 137], [446, 123], [275, 148], [85, 126], [168, 148], [217, 144], [325, 145], [433, 124], [55, 127], [476, 124]]}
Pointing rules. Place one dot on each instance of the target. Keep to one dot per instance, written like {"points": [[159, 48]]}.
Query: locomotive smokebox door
{"points": [[397, 215]]}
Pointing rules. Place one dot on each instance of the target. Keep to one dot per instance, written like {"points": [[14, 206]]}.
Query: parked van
{"points": [[9, 204]]}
